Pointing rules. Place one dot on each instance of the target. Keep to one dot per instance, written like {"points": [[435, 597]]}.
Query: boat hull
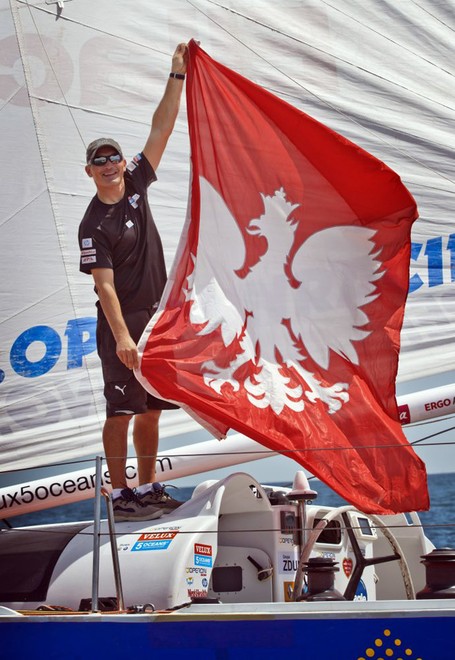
{"points": [[328, 630]]}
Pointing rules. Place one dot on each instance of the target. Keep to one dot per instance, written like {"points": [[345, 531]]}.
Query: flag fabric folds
{"points": [[282, 315]]}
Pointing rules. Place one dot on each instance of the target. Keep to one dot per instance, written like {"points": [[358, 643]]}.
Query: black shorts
{"points": [[124, 394]]}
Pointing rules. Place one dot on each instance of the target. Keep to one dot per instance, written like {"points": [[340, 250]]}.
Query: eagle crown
{"points": [[277, 211]]}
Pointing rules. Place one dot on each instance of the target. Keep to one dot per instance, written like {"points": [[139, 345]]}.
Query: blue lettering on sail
{"points": [[18, 355], [81, 339], [81, 335], [431, 260]]}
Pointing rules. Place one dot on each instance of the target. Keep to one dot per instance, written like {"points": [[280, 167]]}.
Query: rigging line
{"points": [[63, 17], [267, 453], [316, 96], [260, 455], [303, 450], [22, 208], [432, 15], [77, 461], [65, 103], [433, 435], [97, 113], [424, 186], [34, 304], [49, 61], [325, 52], [44, 528], [387, 38], [417, 425], [20, 89]]}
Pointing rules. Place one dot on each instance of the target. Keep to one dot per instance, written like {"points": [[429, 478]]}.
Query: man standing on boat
{"points": [[121, 248]]}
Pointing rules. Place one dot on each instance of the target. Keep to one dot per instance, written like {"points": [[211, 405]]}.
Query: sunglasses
{"points": [[102, 160]]}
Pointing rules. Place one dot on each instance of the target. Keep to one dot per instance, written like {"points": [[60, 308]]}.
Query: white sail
{"points": [[378, 73]]}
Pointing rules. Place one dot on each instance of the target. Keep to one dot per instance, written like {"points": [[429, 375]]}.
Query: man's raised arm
{"points": [[166, 113]]}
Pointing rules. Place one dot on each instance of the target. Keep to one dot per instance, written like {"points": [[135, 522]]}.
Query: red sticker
{"points": [[347, 566]]}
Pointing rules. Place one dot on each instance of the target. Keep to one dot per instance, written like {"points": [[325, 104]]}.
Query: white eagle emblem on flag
{"points": [[285, 309]]}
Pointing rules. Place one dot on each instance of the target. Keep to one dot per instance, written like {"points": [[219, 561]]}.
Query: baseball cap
{"points": [[97, 144]]}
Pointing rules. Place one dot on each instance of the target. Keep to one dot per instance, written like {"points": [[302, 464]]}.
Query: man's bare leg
{"points": [[145, 438], [115, 442]]}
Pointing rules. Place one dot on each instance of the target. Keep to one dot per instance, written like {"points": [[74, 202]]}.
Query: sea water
{"points": [[438, 523]]}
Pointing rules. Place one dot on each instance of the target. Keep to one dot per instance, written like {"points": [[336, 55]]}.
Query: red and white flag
{"points": [[283, 311]]}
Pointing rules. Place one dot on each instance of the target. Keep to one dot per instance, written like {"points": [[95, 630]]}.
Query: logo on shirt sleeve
{"points": [[134, 163], [133, 200], [87, 242]]}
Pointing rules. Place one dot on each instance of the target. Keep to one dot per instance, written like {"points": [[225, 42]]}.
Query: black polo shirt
{"points": [[124, 237]]}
